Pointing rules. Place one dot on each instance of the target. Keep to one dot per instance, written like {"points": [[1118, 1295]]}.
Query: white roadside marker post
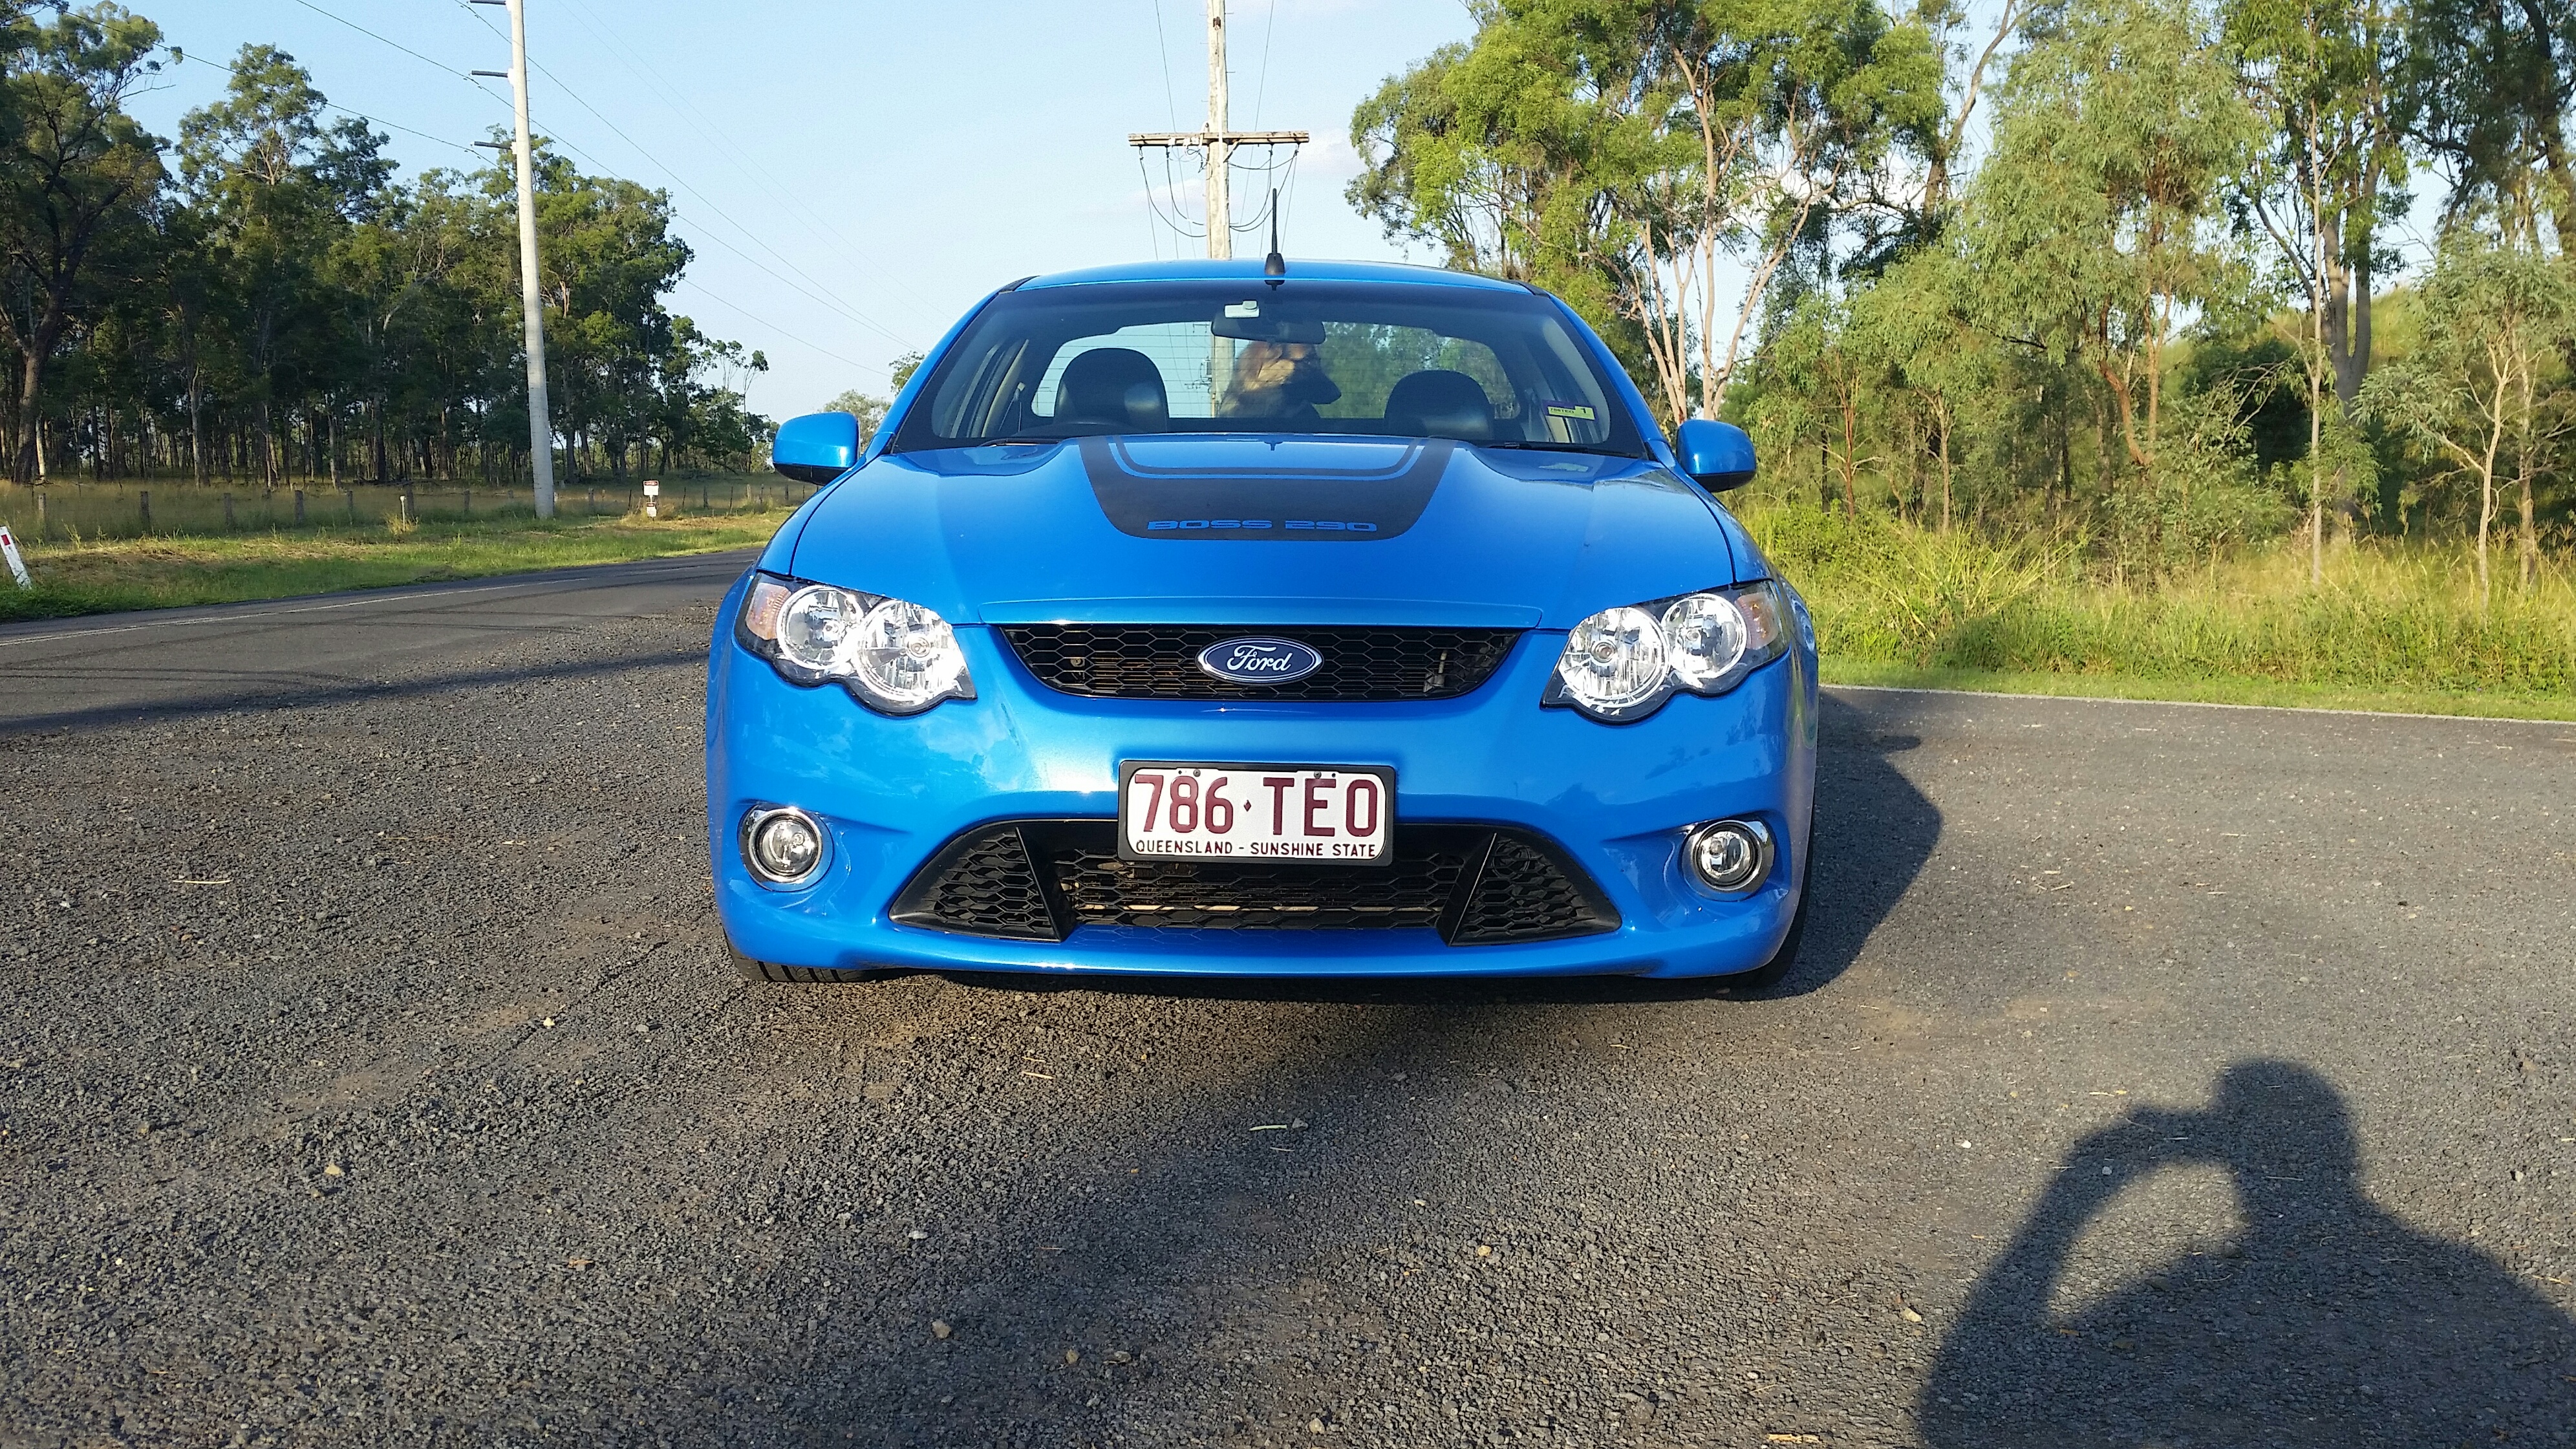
{"points": [[652, 498], [17, 565]]}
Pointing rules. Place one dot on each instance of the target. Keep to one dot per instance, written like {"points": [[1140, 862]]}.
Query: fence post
{"points": [[410, 508], [469, 503], [228, 512], [40, 513], [352, 495], [143, 502], [299, 508]]}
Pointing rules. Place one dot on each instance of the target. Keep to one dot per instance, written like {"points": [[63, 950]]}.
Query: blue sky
{"points": [[853, 176]]}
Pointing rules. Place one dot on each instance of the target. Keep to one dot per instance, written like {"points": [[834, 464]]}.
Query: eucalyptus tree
{"points": [[2332, 174], [1640, 156], [278, 190], [2487, 86], [2478, 387], [608, 257], [79, 181], [2095, 227]]}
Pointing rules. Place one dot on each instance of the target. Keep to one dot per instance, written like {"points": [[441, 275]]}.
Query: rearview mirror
{"points": [[1719, 455], [815, 448], [1254, 320]]}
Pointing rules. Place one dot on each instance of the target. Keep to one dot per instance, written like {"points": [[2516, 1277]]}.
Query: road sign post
{"points": [[652, 498], [17, 565]]}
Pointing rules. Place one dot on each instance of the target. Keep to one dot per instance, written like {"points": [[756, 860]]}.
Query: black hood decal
{"points": [[1292, 505]]}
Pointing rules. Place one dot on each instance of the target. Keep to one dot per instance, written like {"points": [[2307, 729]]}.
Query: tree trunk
{"points": [[2316, 478], [31, 383], [2530, 541]]}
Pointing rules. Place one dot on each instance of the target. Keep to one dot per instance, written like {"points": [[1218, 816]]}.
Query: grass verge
{"points": [[2390, 627], [159, 573]]}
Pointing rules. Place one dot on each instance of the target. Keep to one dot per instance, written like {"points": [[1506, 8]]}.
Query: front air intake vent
{"points": [[1040, 879]]}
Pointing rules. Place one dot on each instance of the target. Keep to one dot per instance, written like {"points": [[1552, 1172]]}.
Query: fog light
{"points": [[1733, 856], [782, 845]]}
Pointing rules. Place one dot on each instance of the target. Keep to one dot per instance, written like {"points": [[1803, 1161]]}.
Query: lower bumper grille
{"points": [[1038, 879]]}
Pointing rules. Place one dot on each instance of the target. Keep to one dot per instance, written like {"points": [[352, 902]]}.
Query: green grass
{"points": [[2392, 627], [151, 573]]}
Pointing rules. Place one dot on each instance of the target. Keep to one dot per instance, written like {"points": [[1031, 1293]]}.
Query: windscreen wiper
{"points": [[1526, 445]]}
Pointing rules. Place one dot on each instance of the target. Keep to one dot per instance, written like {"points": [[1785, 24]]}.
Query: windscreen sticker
{"points": [[1288, 505], [1577, 411]]}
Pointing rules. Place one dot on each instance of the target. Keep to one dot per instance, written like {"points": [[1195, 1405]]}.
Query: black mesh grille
{"points": [[1476, 885], [982, 883], [1158, 661], [1102, 890], [1521, 895]]}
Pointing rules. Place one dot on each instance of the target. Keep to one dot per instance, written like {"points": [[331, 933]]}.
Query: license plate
{"points": [[1288, 814]]}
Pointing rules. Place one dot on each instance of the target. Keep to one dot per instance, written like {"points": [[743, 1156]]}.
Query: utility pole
{"points": [[541, 443], [1220, 201], [1216, 140], [1219, 143]]}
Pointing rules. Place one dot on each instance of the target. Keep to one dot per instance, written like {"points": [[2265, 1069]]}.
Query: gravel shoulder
{"points": [[370, 1073]]}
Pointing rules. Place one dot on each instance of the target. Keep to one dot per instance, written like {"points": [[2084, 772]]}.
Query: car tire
{"points": [[1776, 970], [773, 973]]}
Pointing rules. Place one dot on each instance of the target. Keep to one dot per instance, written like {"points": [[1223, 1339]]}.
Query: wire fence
{"points": [[72, 511]]}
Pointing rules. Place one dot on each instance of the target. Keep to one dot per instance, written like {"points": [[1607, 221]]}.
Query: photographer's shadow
{"points": [[2330, 1322]]}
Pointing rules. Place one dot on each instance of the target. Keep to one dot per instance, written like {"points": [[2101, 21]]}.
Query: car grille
{"points": [[1039, 879], [1161, 661]]}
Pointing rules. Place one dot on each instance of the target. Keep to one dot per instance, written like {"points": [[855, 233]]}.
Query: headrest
{"points": [[1116, 385], [1441, 404]]}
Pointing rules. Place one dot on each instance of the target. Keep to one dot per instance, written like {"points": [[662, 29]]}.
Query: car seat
{"points": [[1115, 385], [1441, 404]]}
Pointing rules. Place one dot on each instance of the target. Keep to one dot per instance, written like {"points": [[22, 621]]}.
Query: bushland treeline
{"points": [[2129, 273], [259, 298]]}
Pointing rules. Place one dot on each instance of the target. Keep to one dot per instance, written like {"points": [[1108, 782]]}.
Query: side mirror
{"points": [[1719, 455], [815, 448]]}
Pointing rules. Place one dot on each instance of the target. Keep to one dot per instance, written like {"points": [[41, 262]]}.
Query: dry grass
{"points": [[2392, 626]]}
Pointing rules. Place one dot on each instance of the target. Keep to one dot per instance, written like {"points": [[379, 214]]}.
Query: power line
{"points": [[396, 44], [790, 200], [686, 280], [1163, 48], [783, 332], [794, 199], [820, 296], [1261, 92], [343, 110]]}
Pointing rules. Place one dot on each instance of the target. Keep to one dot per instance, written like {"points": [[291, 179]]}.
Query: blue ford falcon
{"points": [[1262, 619]]}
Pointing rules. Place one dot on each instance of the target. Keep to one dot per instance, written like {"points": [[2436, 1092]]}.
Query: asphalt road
{"points": [[370, 1074]]}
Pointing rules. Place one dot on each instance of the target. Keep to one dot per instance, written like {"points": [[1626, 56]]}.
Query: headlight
{"points": [[896, 658], [1622, 664]]}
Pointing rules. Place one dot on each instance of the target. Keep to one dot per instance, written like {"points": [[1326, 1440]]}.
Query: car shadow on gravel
{"points": [[2328, 1321]]}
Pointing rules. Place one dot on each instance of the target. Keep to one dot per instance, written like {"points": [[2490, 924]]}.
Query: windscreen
{"points": [[1367, 359]]}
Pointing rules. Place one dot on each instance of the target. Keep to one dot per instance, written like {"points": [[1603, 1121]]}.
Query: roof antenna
{"points": [[1274, 266]]}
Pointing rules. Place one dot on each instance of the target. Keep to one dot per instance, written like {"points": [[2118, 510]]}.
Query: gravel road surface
{"points": [[370, 1073]]}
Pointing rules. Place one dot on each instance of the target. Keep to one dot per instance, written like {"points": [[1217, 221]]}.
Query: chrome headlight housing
{"points": [[894, 657], [1621, 664]]}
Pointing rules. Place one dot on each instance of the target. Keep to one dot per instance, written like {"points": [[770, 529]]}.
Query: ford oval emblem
{"points": [[1259, 661]]}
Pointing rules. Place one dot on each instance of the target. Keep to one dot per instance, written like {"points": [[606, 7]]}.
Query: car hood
{"points": [[1266, 530]]}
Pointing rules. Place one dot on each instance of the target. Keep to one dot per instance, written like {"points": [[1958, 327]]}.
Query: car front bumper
{"points": [[1616, 799]]}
